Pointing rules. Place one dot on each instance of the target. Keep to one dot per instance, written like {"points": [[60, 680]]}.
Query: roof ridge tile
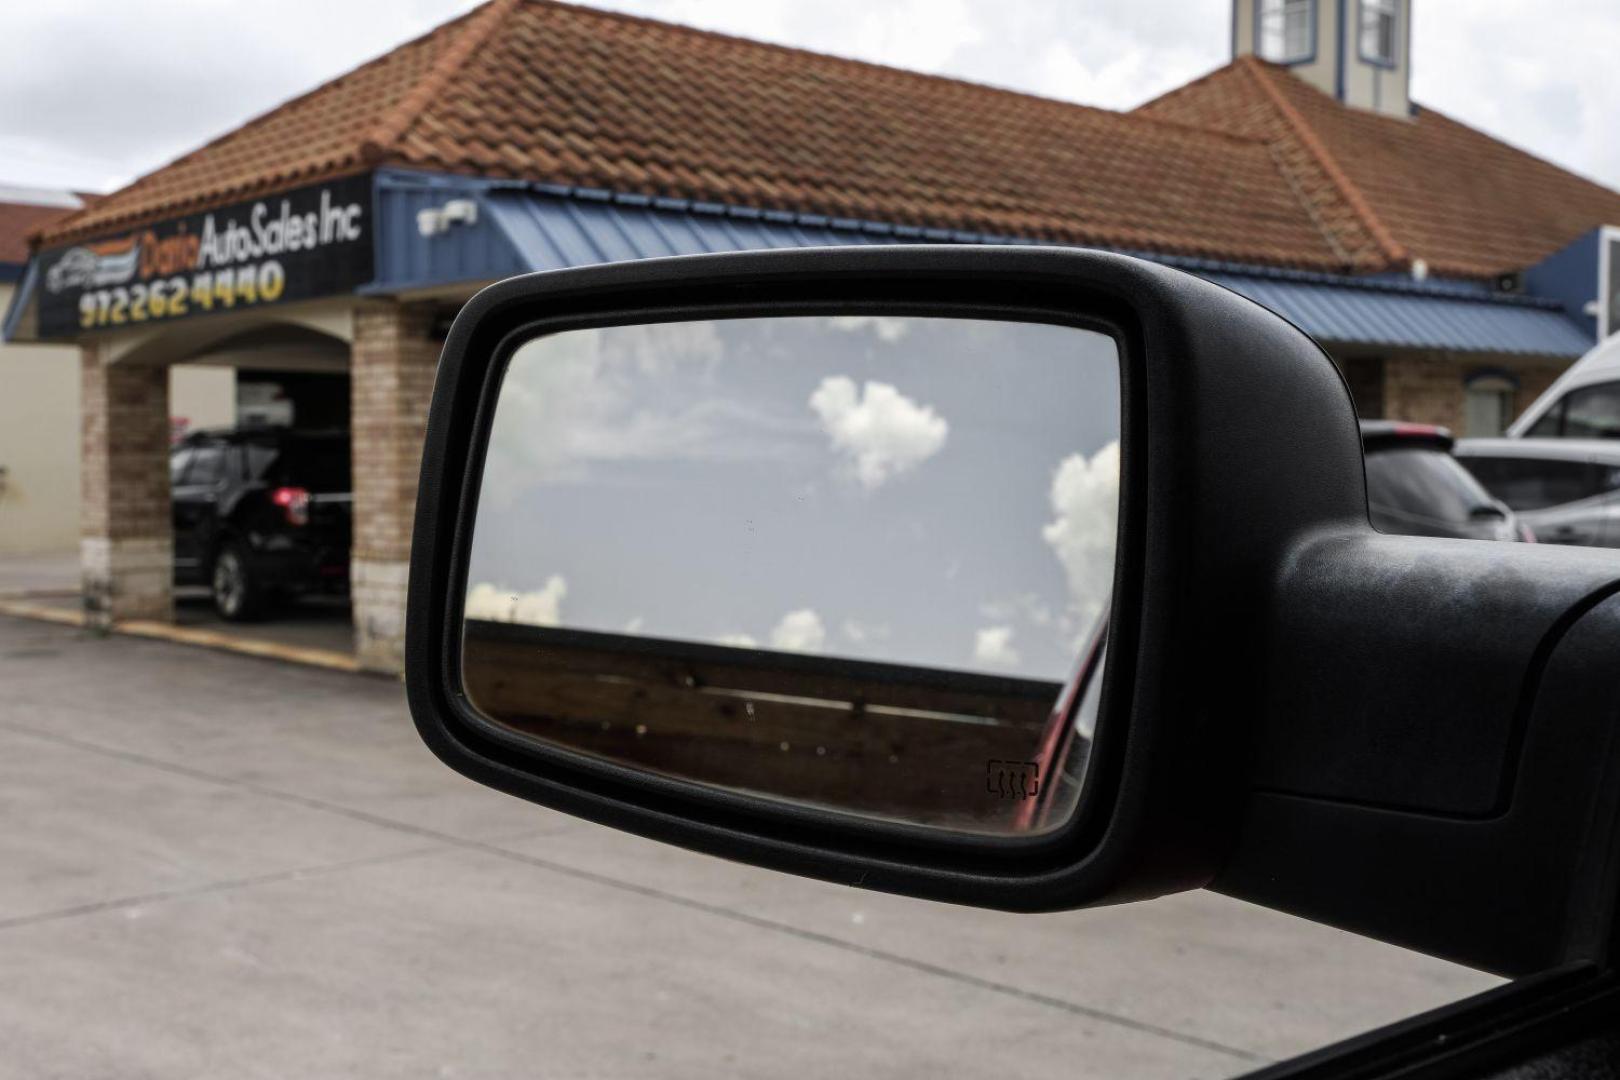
{"points": [[376, 144], [1392, 248]]}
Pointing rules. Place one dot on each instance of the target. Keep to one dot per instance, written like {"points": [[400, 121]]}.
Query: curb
{"points": [[183, 635]]}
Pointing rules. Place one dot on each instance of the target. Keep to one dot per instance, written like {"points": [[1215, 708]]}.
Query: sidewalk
{"points": [[317, 631], [51, 575]]}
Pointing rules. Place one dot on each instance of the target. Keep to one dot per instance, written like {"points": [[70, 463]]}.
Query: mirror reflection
{"points": [[854, 562]]}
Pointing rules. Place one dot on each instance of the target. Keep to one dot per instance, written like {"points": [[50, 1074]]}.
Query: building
{"points": [[39, 399], [1451, 275]]}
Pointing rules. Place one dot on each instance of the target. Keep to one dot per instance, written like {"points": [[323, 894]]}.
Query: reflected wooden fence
{"points": [[906, 743]]}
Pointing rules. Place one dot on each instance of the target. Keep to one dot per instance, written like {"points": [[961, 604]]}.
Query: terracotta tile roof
{"points": [[1390, 190], [1248, 163], [544, 91], [20, 219]]}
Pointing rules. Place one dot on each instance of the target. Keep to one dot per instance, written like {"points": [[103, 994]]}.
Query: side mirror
{"points": [[1026, 578]]}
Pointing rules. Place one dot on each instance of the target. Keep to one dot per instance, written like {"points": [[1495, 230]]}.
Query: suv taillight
{"points": [[293, 500]]}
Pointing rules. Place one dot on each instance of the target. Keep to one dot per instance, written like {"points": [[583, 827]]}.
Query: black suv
{"points": [[261, 515], [1416, 488]]}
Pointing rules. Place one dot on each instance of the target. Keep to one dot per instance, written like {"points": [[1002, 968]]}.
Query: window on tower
{"points": [[1378, 31], [1285, 30]]}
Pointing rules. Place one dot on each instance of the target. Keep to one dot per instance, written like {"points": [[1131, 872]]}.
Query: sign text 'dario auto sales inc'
{"points": [[297, 245]]}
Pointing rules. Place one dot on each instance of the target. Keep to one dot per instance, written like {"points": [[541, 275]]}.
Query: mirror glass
{"points": [[857, 562]]}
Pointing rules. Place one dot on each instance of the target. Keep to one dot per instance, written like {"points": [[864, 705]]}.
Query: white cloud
{"points": [[634, 625], [860, 632], [1085, 502], [887, 328], [635, 394], [737, 641], [993, 645], [799, 631], [538, 607], [1025, 605], [882, 432]]}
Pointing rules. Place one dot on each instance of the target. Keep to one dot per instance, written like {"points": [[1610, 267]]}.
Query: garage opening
{"points": [[262, 506]]}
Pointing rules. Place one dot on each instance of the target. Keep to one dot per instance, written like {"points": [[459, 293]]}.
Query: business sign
{"points": [[298, 245]]}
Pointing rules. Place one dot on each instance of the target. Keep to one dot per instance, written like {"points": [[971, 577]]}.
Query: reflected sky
{"points": [[938, 492]]}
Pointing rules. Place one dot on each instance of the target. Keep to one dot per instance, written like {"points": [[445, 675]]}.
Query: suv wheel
{"points": [[237, 596]]}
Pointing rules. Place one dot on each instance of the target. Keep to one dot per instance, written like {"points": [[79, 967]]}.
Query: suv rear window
{"points": [[1423, 483], [320, 465], [207, 465]]}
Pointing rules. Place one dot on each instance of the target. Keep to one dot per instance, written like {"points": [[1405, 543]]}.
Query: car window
{"points": [[179, 461], [1424, 483], [320, 465], [1592, 412], [1551, 423], [1533, 484], [207, 466], [259, 458]]}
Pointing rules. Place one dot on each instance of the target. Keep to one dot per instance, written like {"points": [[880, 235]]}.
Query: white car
{"points": [[1583, 404], [74, 269], [1566, 491]]}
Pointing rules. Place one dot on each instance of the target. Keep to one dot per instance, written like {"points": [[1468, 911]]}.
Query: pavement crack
{"points": [[228, 885], [442, 839], [899, 959]]}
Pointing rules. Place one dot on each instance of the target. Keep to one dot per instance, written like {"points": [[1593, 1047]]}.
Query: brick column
{"points": [[391, 375], [126, 549]]}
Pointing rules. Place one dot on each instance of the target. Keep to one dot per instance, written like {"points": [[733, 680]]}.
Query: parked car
{"points": [[1416, 488], [261, 515], [1583, 404], [1566, 490]]}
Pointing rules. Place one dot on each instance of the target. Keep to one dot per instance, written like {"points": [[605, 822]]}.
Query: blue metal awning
{"points": [[552, 232], [522, 228], [1348, 311], [529, 227]]}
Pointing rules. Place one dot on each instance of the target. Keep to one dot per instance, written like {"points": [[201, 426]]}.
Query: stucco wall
{"points": [[39, 437], [202, 397], [39, 446]]}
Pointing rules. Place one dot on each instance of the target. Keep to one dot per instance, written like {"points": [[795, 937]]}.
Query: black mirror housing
{"points": [[1406, 737], [1239, 439]]}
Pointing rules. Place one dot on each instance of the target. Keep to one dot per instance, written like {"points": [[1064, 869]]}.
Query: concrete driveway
{"points": [[213, 865]]}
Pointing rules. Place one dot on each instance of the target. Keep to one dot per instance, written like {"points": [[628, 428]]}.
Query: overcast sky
{"points": [[97, 92]]}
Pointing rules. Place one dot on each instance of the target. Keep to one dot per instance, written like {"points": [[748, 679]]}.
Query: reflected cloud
{"points": [[881, 431], [640, 394], [887, 328], [1085, 499], [1026, 606], [860, 632], [799, 631], [538, 607], [992, 645]]}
